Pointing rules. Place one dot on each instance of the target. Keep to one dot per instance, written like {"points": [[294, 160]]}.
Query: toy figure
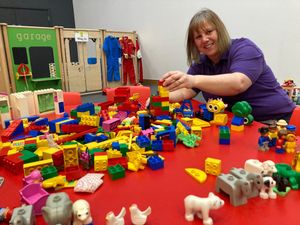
{"points": [[139, 217], [281, 125], [296, 161], [279, 148], [112, 219], [243, 109], [272, 134], [201, 206], [290, 144], [263, 140], [267, 190], [82, 213]]}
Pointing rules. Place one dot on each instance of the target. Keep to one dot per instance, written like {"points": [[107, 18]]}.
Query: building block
{"points": [[155, 162], [116, 172], [213, 166]]}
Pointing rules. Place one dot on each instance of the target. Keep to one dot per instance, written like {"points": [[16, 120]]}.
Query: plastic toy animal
{"points": [[264, 168], [82, 213], [18, 220], [139, 217], [238, 189], [58, 209], [111, 219], [267, 190], [201, 206]]}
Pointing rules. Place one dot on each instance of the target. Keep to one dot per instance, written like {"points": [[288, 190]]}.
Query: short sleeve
{"points": [[249, 60]]}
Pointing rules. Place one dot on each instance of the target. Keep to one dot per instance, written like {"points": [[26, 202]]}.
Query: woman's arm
{"points": [[223, 84], [181, 94]]}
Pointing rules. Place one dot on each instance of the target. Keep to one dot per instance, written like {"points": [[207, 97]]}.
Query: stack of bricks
{"points": [[224, 135], [159, 105]]}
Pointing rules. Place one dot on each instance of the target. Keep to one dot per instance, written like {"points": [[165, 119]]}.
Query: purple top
{"points": [[267, 98]]}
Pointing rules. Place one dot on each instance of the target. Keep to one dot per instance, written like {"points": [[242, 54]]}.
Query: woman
{"points": [[233, 69]]}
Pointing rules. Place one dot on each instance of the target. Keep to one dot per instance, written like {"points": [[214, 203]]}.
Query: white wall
{"points": [[161, 25]]}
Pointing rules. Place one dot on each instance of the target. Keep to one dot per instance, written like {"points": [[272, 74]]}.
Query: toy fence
{"points": [[71, 59]]}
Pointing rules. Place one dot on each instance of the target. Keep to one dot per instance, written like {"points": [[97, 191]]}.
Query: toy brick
{"points": [[100, 162], [236, 120], [224, 141], [49, 172], [73, 173], [28, 156], [13, 163], [157, 145], [168, 145], [116, 172], [237, 128], [121, 161], [213, 166], [29, 167], [143, 141], [155, 162]]}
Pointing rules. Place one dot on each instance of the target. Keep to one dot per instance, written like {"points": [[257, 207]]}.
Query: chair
{"points": [[295, 119], [143, 91]]}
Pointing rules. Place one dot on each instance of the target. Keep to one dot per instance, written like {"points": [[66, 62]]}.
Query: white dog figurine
{"points": [[201, 206], [267, 189], [82, 213]]}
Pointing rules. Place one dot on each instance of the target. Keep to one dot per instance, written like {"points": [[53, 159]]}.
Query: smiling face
{"points": [[206, 41]]}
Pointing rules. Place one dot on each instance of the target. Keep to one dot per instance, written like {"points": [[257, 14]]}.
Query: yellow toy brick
{"points": [[188, 121], [197, 130], [112, 154], [90, 120], [80, 114], [220, 119], [41, 143], [29, 167], [18, 145], [100, 163], [12, 151], [70, 152], [53, 182], [135, 147], [201, 123], [92, 145], [39, 151], [237, 128], [213, 166], [47, 153]]}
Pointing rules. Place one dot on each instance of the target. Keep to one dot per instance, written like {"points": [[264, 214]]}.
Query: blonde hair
{"points": [[199, 20]]}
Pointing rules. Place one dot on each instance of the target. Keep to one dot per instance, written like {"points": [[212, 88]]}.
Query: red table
{"points": [[165, 189]]}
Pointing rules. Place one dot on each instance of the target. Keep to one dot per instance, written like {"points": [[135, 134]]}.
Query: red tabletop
{"points": [[165, 189]]}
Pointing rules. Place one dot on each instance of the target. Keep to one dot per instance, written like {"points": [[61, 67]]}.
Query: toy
{"points": [[290, 144], [263, 140], [243, 109], [58, 209], [197, 174], [137, 216], [82, 213], [213, 166], [34, 177], [237, 189], [272, 134], [111, 219], [279, 148], [264, 168], [267, 189], [201, 207], [23, 216]]}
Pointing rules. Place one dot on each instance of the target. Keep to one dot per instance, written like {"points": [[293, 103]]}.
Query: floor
{"points": [[100, 97]]}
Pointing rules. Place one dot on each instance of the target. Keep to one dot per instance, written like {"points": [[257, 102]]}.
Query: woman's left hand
{"points": [[174, 80]]}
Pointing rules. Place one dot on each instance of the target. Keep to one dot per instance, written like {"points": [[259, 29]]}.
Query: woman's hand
{"points": [[175, 80]]}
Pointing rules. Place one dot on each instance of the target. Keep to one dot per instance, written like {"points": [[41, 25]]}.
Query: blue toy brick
{"points": [[101, 138], [32, 118], [157, 145], [115, 145], [52, 123], [224, 141], [144, 121], [61, 107], [86, 107], [164, 117], [41, 122], [34, 133], [143, 141], [238, 121], [155, 162], [89, 138]]}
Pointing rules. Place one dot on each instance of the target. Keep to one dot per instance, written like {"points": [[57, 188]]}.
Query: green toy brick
{"points": [[28, 156], [49, 172], [116, 172]]}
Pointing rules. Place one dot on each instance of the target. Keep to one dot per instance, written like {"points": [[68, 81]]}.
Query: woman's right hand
{"points": [[174, 80]]}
